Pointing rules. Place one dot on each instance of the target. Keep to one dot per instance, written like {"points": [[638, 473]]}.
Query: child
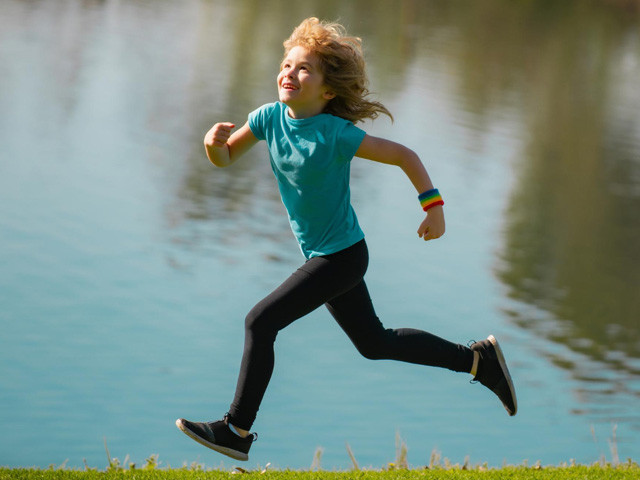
{"points": [[312, 138]]}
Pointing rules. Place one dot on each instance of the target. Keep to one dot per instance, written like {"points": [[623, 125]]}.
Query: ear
{"points": [[327, 95]]}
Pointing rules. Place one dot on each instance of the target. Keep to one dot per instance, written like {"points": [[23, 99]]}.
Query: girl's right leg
{"points": [[355, 314]]}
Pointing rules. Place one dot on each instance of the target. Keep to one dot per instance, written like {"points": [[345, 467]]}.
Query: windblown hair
{"points": [[343, 68]]}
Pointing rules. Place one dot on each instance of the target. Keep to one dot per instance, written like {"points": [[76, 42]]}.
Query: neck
{"points": [[299, 112]]}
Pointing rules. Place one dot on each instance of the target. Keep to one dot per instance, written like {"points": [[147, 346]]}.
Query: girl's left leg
{"points": [[309, 287], [318, 280]]}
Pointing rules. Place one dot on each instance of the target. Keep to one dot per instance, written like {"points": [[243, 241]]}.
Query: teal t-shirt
{"points": [[311, 159]]}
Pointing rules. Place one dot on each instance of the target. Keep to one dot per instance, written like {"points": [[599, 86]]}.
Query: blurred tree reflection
{"points": [[573, 228]]}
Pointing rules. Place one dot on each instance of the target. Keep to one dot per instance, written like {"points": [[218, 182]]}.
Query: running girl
{"points": [[312, 137]]}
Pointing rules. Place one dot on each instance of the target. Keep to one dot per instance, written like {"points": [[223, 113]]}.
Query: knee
{"points": [[253, 320], [370, 353], [258, 321], [372, 348]]}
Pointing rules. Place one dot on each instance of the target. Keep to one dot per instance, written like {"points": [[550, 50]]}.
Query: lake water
{"points": [[128, 262]]}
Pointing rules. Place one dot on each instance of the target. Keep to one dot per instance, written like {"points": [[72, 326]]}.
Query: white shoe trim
{"points": [[505, 371]]}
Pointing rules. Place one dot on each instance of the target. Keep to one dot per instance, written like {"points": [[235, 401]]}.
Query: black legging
{"points": [[335, 280]]}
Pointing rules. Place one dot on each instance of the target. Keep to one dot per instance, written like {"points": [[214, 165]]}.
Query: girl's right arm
{"points": [[223, 147]]}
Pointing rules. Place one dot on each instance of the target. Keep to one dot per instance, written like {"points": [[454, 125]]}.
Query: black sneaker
{"points": [[494, 374], [219, 437]]}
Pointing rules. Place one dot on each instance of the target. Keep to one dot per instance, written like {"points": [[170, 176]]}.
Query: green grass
{"points": [[437, 469], [595, 472]]}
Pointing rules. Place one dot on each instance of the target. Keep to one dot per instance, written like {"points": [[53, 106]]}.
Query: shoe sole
{"points": [[505, 371], [235, 454]]}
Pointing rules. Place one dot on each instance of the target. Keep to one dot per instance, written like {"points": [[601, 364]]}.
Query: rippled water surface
{"points": [[128, 262]]}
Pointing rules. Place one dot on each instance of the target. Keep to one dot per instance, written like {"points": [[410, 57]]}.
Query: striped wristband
{"points": [[430, 199]]}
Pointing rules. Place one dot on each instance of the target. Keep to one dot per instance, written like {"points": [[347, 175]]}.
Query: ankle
{"points": [[239, 431], [474, 366]]}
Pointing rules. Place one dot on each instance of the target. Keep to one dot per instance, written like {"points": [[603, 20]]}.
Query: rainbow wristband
{"points": [[430, 199]]}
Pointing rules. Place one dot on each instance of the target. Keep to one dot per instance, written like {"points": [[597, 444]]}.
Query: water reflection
{"points": [[573, 229], [569, 70]]}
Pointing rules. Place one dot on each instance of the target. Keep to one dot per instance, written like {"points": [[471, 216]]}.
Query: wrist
{"points": [[218, 155], [431, 199]]}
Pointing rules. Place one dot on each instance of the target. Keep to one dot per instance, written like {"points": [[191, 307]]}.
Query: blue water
{"points": [[128, 263]]}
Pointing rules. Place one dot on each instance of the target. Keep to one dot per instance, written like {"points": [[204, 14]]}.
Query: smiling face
{"points": [[301, 83]]}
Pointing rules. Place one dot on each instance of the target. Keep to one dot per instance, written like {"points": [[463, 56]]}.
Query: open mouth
{"points": [[288, 86]]}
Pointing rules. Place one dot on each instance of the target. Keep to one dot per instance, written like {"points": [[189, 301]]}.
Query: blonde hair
{"points": [[343, 68]]}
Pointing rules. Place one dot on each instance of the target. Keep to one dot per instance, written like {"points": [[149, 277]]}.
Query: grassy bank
{"points": [[595, 472], [438, 468]]}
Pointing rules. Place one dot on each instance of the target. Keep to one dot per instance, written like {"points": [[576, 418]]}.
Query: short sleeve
{"points": [[350, 138], [259, 119]]}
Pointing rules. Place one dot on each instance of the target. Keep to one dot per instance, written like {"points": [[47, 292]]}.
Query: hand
{"points": [[432, 226], [218, 135]]}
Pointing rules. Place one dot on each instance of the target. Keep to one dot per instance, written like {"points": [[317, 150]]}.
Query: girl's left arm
{"points": [[392, 153]]}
